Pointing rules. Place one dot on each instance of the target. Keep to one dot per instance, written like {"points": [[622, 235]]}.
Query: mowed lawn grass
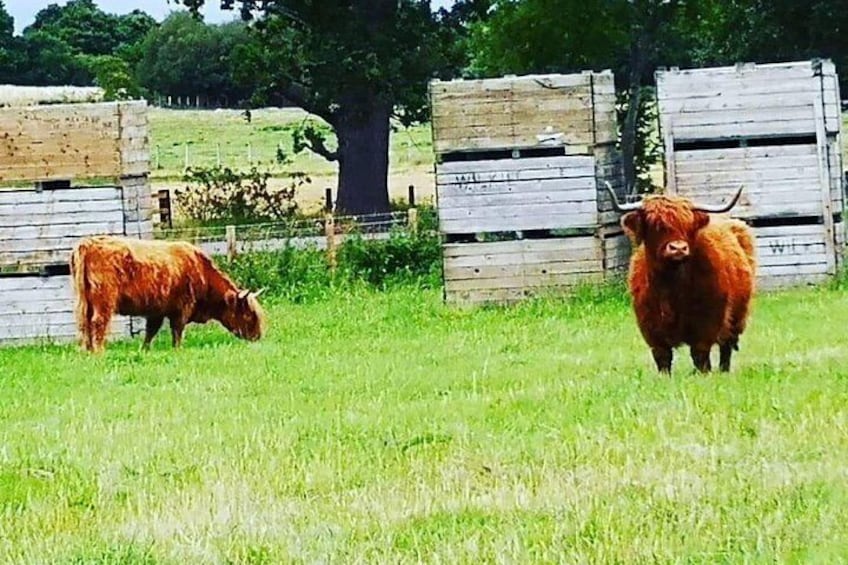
{"points": [[387, 427]]}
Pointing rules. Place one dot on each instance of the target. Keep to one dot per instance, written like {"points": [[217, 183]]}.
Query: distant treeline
{"points": [[128, 55]]}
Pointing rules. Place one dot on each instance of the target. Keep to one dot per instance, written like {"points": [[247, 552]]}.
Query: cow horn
{"points": [[721, 208], [258, 292], [619, 207], [243, 294]]}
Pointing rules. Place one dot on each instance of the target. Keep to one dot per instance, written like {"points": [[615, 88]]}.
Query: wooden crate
{"points": [[776, 130], [51, 149], [526, 158], [574, 112]]}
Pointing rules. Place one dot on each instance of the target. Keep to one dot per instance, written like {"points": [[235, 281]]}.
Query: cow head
{"points": [[667, 225], [243, 315]]}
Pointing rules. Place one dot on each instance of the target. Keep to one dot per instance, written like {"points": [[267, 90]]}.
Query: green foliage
{"points": [[291, 274], [114, 76], [217, 194], [185, 57], [303, 275], [648, 150], [403, 258]]}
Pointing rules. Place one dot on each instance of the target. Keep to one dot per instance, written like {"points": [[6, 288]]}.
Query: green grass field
{"points": [[387, 427], [208, 133]]}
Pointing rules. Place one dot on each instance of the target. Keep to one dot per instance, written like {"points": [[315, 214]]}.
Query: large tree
{"points": [[354, 63]]}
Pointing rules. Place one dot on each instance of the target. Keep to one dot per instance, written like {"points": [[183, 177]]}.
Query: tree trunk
{"points": [[628, 130], [363, 163]]}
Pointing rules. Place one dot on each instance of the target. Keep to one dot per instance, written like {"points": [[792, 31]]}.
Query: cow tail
{"points": [[79, 281]]}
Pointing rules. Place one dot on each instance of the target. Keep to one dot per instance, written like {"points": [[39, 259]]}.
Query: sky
{"points": [[24, 10]]}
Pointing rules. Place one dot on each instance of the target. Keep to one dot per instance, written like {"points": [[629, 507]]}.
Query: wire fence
{"points": [[323, 233]]}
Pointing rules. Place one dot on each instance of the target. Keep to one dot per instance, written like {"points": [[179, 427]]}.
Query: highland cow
{"points": [[691, 277], [155, 280]]}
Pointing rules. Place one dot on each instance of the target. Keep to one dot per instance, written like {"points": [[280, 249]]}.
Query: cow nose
{"points": [[677, 249]]}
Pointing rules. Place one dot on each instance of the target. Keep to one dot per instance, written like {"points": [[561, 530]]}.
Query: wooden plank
{"points": [[737, 102], [746, 116], [533, 163], [521, 252], [498, 272], [79, 194], [742, 159], [58, 207], [775, 282], [821, 144], [115, 215], [53, 231], [517, 246], [773, 128], [581, 188], [536, 219], [525, 281], [36, 307], [519, 197]]}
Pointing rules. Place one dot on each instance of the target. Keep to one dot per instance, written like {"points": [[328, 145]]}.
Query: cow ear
{"points": [[701, 220], [231, 298], [632, 224]]}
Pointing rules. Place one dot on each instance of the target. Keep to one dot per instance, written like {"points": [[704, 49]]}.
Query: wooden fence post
{"points": [[330, 229], [330, 232], [231, 242], [412, 213]]}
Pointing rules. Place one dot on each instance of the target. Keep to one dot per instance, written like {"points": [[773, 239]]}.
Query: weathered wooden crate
{"points": [[58, 150], [776, 130], [520, 172], [575, 112]]}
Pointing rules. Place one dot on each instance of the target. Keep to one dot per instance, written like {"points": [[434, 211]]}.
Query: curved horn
{"points": [[260, 291], [721, 208], [619, 207], [243, 294]]}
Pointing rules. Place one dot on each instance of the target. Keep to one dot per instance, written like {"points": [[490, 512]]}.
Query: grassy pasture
{"points": [[206, 132], [387, 427]]}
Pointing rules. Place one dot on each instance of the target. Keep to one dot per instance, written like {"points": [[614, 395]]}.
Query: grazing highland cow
{"points": [[691, 279], [155, 280]]}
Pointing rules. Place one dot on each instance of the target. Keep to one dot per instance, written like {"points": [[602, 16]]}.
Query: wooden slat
{"points": [[824, 179], [35, 307], [557, 166], [517, 194], [15, 197]]}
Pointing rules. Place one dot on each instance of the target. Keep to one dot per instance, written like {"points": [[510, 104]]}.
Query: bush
{"points": [[220, 194], [302, 275]]}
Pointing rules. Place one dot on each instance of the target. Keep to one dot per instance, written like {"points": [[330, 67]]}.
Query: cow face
{"points": [[244, 316], [668, 227]]}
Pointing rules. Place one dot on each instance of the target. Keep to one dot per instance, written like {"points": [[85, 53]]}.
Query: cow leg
{"points": [[151, 327], [177, 327], [99, 326], [726, 351], [662, 357], [701, 357]]}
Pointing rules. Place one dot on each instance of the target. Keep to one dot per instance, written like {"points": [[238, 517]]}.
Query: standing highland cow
{"points": [[156, 280], [691, 279]]}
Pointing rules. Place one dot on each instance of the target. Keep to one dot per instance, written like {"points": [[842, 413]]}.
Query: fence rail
{"points": [[325, 233]]}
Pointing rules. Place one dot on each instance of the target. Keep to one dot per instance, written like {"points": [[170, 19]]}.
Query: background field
{"points": [[387, 427], [207, 132]]}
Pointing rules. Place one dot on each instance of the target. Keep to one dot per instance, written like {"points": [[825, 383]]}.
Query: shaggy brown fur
{"points": [[155, 280], [691, 279]]}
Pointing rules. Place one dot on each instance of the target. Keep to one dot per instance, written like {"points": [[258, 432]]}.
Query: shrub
{"points": [[220, 194], [302, 275]]}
